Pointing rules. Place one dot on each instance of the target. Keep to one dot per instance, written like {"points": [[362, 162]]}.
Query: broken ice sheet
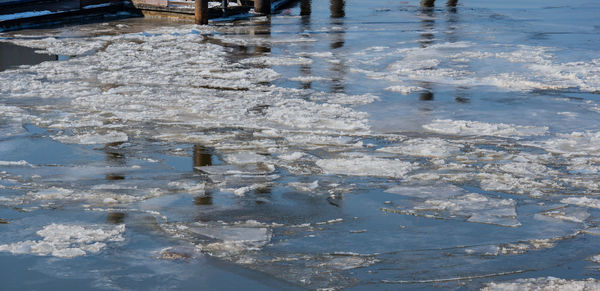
{"points": [[549, 283], [346, 261], [448, 201], [67, 241], [359, 164], [223, 239], [424, 147], [567, 213]]}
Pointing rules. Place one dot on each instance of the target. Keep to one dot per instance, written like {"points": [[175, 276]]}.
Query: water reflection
{"points": [[305, 69], [426, 96], [205, 199], [461, 96], [262, 29], [427, 27], [12, 55], [452, 4], [201, 156], [115, 217], [452, 22], [114, 158], [338, 40]]}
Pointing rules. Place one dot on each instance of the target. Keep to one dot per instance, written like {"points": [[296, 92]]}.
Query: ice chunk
{"points": [[243, 158], [474, 207], [94, 138], [430, 147], [576, 143], [366, 166], [347, 262], [568, 213], [21, 163], [226, 240], [67, 241], [305, 187], [548, 284], [277, 61], [582, 201], [404, 90], [442, 191], [464, 127]]}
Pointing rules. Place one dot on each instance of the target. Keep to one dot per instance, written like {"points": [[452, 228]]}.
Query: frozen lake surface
{"points": [[356, 144]]}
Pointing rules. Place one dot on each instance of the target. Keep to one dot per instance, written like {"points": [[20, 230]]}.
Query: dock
{"points": [[19, 14]]}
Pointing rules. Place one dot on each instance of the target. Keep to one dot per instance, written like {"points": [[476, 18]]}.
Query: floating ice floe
{"points": [[465, 127], [567, 213], [404, 90], [277, 61], [68, 241], [576, 143], [582, 201], [364, 165], [224, 239], [94, 138], [430, 147], [547, 284], [447, 201], [522, 68], [305, 187], [21, 163]]}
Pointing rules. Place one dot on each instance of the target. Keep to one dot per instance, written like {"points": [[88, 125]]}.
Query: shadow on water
{"points": [[12, 56]]}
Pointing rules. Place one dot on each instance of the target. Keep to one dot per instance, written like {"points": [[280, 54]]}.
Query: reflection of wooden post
{"points": [[427, 3], [201, 11], [224, 3], [262, 6], [452, 3]]}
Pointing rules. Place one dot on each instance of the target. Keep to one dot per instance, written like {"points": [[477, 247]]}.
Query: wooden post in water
{"points": [[262, 6], [201, 11], [427, 3]]}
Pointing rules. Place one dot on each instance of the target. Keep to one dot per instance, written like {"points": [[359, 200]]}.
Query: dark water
{"points": [[13, 55], [335, 144]]}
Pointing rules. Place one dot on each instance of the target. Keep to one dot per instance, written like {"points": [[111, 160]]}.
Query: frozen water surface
{"points": [[369, 144]]}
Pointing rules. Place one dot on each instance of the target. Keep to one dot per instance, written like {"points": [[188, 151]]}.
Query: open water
{"points": [[336, 144]]}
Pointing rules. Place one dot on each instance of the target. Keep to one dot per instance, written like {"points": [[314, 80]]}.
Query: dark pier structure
{"points": [[17, 14]]}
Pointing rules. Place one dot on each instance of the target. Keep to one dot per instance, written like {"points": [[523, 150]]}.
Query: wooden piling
{"points": [[262, 6], [201, 11], [427, 3]]}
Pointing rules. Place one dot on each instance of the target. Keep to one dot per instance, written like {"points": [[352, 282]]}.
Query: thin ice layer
{"points": [[450, 201]]}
